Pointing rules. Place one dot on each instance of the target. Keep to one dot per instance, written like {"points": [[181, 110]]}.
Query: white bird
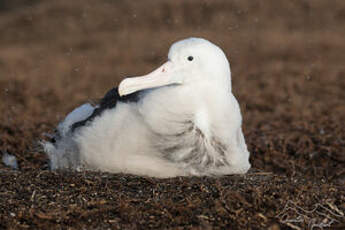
{"points": [[179, 120]]}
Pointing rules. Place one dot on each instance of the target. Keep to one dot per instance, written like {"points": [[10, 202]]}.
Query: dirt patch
{"points": [[288, 74]]}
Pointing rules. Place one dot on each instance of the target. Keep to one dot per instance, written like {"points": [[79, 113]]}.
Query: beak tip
{"points": [[120, 89], [121, 92], [124, 87]]}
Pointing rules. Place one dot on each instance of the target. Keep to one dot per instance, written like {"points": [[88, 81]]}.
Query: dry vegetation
{"points": [[287, 61]]}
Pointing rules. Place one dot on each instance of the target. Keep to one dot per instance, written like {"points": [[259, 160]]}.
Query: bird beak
{"points": [[164, 75]]}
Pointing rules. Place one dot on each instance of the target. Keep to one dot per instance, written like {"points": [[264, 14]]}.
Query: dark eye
{"points": [[190, 58]]}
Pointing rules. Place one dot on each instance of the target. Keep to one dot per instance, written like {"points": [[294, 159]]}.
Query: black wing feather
{"points": [[109, 101]]}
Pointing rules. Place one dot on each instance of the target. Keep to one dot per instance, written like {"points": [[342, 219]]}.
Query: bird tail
{"points": [[63, 154], [61, 148]]}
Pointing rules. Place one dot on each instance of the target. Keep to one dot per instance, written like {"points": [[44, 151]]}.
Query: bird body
{"points": [[182, 119]]}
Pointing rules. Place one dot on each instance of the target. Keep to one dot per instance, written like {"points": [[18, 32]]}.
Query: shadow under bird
{"points": [[179, 120]]}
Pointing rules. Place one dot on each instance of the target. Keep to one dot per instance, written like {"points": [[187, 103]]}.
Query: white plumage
{"points": [[183, 120]]}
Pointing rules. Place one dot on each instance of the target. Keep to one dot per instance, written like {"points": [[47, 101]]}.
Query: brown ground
{"points": [[287, 60]]}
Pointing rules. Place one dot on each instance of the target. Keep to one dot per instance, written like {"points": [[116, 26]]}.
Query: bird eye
{"points": [[190, 58]]}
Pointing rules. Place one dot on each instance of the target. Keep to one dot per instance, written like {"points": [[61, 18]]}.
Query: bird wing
{"points": [[86, 113], [109, 101]]}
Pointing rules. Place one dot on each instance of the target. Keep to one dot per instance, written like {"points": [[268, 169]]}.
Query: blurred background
{"points": [[287, 61]]}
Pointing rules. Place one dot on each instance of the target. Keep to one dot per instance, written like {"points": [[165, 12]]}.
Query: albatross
{"points": [[179, 120]]}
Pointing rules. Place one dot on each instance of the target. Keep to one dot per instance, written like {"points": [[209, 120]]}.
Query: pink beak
{"points": [[162, 76]]}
